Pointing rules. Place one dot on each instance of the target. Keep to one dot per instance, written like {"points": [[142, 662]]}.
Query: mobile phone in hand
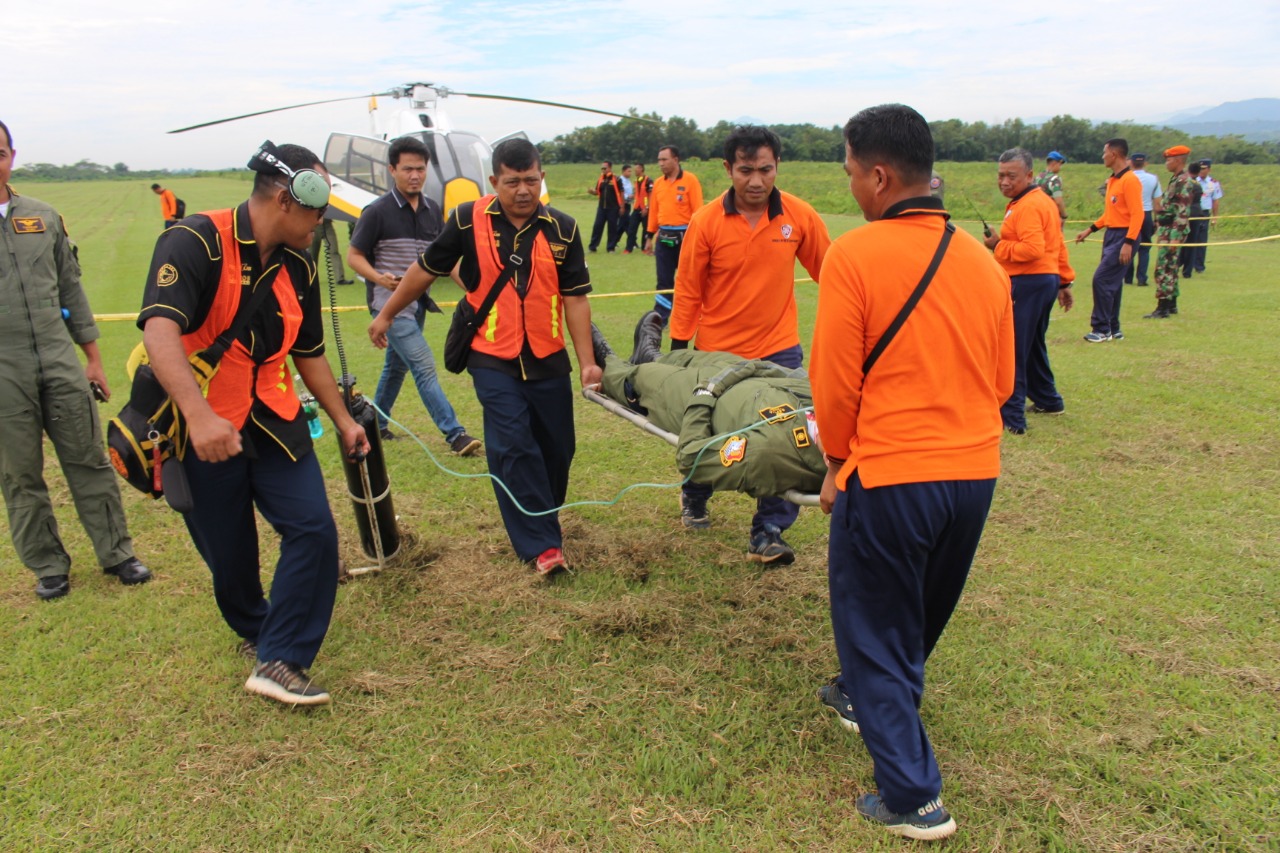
{"points": [[98, 393]]}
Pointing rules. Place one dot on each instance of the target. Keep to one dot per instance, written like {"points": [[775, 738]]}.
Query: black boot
{"points": [[600, 347], [1173, 304], [1162, 311], [648, 339]]}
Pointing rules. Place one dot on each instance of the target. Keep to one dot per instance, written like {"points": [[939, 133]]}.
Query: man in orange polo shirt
{"points": [[168, 205], [913, 451], [675, 197], [735, 293], [1029, 246], [1122, 217]]}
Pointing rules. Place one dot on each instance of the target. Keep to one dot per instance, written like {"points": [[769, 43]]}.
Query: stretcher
{"points": [[609, 405]]}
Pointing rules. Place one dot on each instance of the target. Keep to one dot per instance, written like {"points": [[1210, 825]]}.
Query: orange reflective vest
{"points": [[539, 317], [616, 184], [641, 185], [239, 380]]}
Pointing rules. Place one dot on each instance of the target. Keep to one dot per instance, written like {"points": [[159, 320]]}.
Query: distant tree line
{"points": [[85, 170], [954, 140]]}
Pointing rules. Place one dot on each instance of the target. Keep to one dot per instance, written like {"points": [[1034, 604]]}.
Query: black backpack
{"points": [[180, 208]]}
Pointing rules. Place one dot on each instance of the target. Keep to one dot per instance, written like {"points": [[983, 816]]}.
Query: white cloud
{"points": [[110, 82]]}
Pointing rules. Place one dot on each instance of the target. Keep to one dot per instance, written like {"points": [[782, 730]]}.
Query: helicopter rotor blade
{"points": [[282, 109], [554, 104]]}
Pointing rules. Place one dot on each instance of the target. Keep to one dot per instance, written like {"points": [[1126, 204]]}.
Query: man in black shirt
{"points": [[248, 438], [390, 235], [611, 200], [518, 362]]}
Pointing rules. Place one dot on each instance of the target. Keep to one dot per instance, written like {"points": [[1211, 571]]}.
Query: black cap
{"points": [[1206, 162], [1139, 157]]}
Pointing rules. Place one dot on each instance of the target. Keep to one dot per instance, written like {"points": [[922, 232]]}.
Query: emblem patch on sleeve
{"points": [[28, 225], [777, 414], [168, 275], [734, 450], [801, 436]]}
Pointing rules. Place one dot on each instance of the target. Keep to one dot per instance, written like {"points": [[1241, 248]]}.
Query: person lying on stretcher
{"points": [[705, 395]]}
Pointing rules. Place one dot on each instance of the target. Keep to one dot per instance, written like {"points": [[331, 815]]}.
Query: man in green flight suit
{"points": [[1174, 227], [43, 388], [703, 396]]}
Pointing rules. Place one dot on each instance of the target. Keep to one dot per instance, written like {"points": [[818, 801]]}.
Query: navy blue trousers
{"points": [[529, 442], [1142, 254], [897, 563], [779, 512], [291, 497], [1193, 257], [666, 257], [606, 227], [1033, 298], [1108, 284]]}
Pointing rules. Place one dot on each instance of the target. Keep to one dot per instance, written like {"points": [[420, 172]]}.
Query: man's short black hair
{"points": [[1119, 145], [675, 152], [295, 157], [608, 163], [518, 155], [406, 145], [893, 134], [155, 186], [749, 139], [8, 137], [1194, 168]]}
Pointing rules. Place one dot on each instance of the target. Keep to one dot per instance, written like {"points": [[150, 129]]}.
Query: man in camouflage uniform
{"points": [[1051, 183], [1174, 226]]}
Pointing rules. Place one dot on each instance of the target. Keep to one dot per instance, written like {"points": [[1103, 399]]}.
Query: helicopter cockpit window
{"points": [[359, 160]]}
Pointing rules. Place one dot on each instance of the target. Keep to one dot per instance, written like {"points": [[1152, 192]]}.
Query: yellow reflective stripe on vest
{"points": [[491, 323]]}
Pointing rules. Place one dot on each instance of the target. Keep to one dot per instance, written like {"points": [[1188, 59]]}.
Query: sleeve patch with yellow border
{"points": [[801, 436], [28, 225], [734, 450], [167, 275], [779, 413]]}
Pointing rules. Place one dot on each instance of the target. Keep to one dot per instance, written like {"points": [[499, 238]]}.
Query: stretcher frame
{"points": [[609, 405]]}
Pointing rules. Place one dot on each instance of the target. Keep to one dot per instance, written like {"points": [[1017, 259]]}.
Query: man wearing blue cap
{"points": [[1051, 182], [1212, 192]]}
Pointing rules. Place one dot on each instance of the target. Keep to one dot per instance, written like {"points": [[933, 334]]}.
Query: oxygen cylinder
{"points": [[378, 495]]}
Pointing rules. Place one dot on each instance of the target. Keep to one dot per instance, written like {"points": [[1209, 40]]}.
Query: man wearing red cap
{"points": [[1174, 225]]}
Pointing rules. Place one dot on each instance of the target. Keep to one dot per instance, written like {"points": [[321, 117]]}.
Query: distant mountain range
{"points": [[1257, 120]]}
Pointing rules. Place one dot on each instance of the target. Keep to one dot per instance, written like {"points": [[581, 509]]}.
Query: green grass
{"points": [[1110, 682]]}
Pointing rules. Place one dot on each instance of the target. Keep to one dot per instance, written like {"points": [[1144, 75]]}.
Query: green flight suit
{"points": [[43, 389], [764, 461]]}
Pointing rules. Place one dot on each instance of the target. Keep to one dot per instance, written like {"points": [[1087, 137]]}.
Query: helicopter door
{"points": [[358, 167], [520, 134], [359, 160]]}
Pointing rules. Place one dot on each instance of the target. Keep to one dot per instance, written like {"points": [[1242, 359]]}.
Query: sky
{"points": [[105, 81]]}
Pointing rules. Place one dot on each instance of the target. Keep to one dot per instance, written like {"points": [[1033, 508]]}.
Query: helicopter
{"points": [[460, 162]]}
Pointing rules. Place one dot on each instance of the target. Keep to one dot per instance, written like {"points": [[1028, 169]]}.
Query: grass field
{"points": [[1110, 682]]}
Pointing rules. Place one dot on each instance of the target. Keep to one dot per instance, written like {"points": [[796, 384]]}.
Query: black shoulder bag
{"points": [[467, 320], [147, 440], [910, 304]]}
